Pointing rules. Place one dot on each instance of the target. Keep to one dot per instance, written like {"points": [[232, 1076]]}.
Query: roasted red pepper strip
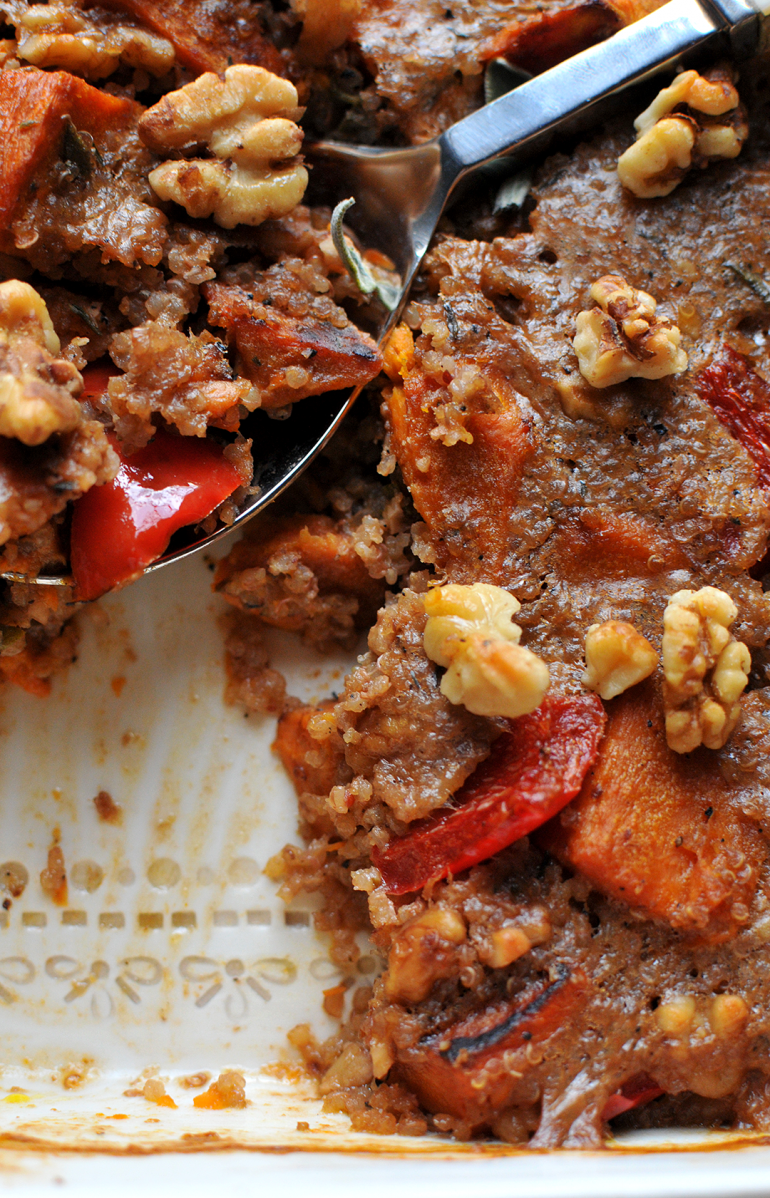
{"points": [[120, 528], [534, 769], [636, 1092], [741, 400], [546, 39]]}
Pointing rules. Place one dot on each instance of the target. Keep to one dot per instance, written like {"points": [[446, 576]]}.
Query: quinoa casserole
{"points": [[542, 790]]}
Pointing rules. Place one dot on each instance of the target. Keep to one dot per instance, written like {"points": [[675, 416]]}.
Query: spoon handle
{"points": [[574, 87]]}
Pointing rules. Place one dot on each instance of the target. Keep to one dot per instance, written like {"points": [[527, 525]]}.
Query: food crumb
{"points": [[117, 683], [229, 1090], [107, 809], [334, 1000], [73, 1076], [155, 1091], [303, 1126], [194, 1081], [53, 879]]}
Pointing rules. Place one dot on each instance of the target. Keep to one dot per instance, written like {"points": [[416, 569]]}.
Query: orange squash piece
{"points": [[293, 743], [595, 544], [331, 358], [450, 1071], [34, 106], [656, 829], [542, 41]]}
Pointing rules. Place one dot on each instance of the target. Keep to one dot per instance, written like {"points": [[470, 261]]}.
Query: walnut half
{"points": [[705, 669], [247, 122], [623, 338], [62, 35], [617, 657], [37, 388], [470, 630], [694, 120]]}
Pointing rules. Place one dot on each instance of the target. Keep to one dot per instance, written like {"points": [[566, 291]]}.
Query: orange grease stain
{"points": [[210, 1100], [117, 683]]}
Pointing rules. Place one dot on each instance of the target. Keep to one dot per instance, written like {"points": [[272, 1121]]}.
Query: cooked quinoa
{"points": [[542, 788]]}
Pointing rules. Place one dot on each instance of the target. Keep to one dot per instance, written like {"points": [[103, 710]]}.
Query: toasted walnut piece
{"points": [[353, 1067], [507, 944], [326, 24], [37, 390], [705, 669], [23, 313], [712, 95], [61, 35], [720, 141], [674, 1018], [623, 338], [247, 122], [617, 657], [713, 125], [422, 952], [728, 1015], [658, 160], [470, 630], [8, 57]]}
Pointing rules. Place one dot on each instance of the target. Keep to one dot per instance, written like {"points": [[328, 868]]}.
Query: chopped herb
{"points": [[451, 319], [85, 317], [75, 150], [752, 280], [357, 268], [500, 77], [27, 124], [514, 191]]}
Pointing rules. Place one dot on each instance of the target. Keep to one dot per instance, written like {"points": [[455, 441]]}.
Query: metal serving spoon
{"points": [[400, 194]]}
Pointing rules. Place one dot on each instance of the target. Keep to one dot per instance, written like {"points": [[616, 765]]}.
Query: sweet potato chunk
{"points": [[451, 1071], [289, 359], [469, 522], [34, 106], [656, 829], [595, 544], [313, 765], [207, 35]]}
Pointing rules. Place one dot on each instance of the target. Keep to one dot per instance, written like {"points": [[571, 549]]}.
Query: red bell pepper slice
{"points": [[118, 529], [633, 1093], [536, 766], [740, 398]]}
